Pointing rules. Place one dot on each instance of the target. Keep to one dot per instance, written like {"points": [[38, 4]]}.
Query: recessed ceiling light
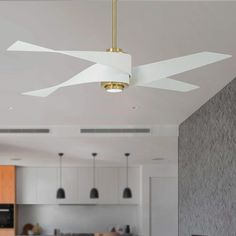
{"points": [[158, 159], [10, 108], [15, 159]]}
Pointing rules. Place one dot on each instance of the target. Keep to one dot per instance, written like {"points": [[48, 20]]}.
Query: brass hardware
{"points": [[114, 86], [114, 23], [114, 50], [114, 47]]}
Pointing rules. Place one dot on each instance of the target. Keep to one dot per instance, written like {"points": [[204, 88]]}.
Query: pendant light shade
{"points": [[61, 192], [127, 193], [94, 194]]}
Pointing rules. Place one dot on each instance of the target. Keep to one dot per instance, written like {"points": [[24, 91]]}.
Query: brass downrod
{"points": [[114, 86], [114, 47], [114, 23]]}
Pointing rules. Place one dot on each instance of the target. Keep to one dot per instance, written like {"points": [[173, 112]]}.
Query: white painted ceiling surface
{"points": [[42, 151], [149, 30]]}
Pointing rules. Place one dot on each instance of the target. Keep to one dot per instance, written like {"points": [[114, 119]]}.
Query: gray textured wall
{"points": [[207, 168]]}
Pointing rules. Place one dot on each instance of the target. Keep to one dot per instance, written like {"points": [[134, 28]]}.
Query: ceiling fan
{"points": [[113, 68]]}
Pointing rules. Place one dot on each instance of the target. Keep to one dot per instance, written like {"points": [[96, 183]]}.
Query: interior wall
{"points": [[148, 172], [207, 168], [77, 218], [164, 206]]}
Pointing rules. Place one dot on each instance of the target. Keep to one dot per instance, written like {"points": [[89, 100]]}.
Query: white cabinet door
{"points": [[134, 184], [70, 185], [85, 184], [26, 185], [39, 185], [108, 185], [47, 185], [164, 206]]}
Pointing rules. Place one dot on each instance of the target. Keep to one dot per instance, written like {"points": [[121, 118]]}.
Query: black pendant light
{"points": [[127, 193], [61, 192], [94, 192]]}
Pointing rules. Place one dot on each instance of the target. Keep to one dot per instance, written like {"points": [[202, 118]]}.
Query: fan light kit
{"points": [[113, 68], [114, 87]]}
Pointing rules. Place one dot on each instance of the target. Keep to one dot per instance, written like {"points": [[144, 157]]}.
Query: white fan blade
{"points": [[119, 61], [42, 92], [147, 73], [95, 73], [171, 84], [20, 46]]}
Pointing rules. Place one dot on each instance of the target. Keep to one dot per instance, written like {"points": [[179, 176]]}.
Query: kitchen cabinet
{"points": [[47, 185], [85, 183], [107, 185], [7, 184], [164, 205], [26, 185], [70, 185], [7, 232], [133, 182], [39, 185]]}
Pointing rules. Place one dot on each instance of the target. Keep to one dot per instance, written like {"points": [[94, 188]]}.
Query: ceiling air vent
{"points": [[24, 131], [116, 131]]}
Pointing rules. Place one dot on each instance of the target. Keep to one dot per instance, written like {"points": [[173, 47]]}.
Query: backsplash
{"points": [[207, 168], [77, 218]]}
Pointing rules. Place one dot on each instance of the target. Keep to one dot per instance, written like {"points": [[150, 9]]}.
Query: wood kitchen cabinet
{"points": [[7, 184], [7, 232]]}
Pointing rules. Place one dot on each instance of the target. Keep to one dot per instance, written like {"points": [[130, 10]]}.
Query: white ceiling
{"points": [[42, 151], [149, 30]]}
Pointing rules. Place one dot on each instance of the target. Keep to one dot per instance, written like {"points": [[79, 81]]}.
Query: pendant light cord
{"points": [[60, 171], [94, 169], [94, 172], [127, 172], [60, 168], [127, 169]]}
